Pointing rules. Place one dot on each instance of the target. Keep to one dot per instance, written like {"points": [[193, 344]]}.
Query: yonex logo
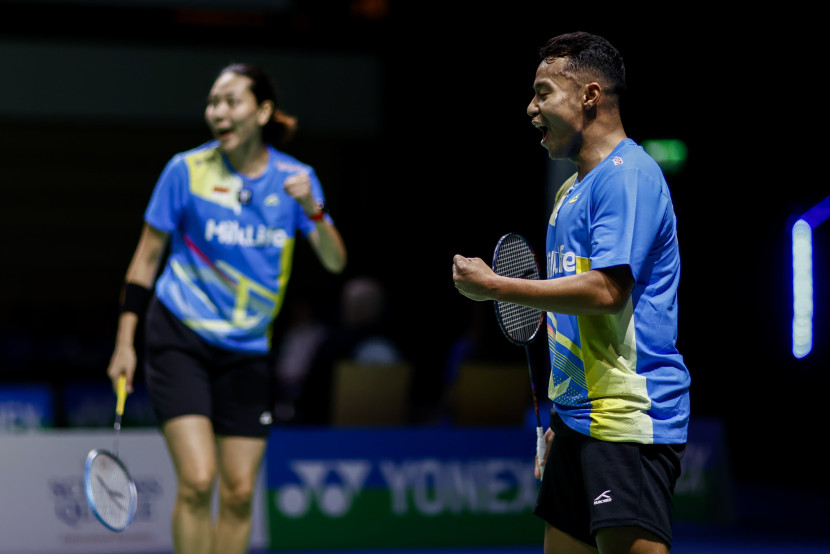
{"points": [[334, 498], [428, 487], [603, 498]]}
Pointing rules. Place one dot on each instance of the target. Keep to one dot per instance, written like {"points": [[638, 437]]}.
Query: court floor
{"points": [[689, 539], [772, 521], [745, 545]]}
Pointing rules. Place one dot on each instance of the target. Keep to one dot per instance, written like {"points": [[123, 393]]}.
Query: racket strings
{"points": [[515, 258], [112, 491]]}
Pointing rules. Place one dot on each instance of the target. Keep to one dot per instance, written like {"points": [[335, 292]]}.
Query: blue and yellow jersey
{"points": [[620, 377], [231, 243]]}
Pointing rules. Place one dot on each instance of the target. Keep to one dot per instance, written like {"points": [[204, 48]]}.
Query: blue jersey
{"points": [[231, 243], [620, 377]]}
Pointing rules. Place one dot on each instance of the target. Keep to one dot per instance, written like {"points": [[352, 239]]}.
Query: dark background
{"points": [[453, 164]]}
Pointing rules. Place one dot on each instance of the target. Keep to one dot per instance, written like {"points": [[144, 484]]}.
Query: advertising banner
{"points": [[325, 488], [25, 407], [44, 509], [401, 487]]}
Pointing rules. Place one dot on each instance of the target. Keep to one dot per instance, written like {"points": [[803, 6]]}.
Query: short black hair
{"points": [[590, 54]]}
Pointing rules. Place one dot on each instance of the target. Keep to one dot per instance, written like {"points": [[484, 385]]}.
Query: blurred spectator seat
{"points": [[371, 394], [491, 394]]}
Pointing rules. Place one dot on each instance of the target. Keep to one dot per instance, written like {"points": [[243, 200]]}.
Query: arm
{"points": [[602, 291], [325, 239], [327, 243], [142, 271]]}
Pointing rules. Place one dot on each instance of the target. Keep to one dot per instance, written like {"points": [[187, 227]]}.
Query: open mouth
{"points": [[542, 129]]}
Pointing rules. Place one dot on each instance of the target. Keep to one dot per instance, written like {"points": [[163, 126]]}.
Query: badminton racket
{"points": [[110, 490], [514, 257]]}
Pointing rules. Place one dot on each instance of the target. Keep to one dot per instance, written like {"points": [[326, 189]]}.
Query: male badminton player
{"points": [[619, 386]]}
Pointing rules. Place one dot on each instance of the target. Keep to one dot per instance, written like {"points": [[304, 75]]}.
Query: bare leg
{"points": [[191, 444], [559, 542], [239, 463]]}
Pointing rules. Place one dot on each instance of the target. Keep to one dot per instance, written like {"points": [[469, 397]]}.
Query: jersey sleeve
{"points": [[168, 198], [627, 212]]}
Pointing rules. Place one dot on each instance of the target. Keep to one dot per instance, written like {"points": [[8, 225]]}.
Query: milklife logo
{"points": [[561, 262], [231, 233]]}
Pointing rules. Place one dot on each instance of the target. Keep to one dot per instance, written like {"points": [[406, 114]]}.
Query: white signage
{"points": [[44, 509]]}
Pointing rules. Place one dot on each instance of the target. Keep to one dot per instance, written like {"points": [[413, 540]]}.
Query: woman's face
{"points": [[232, 112]]}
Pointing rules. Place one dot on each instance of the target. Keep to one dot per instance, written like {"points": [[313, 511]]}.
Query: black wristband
{"points": [[135, 298]]}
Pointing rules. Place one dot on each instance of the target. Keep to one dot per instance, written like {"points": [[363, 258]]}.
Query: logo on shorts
{"points": [[265, 418], [603, 498]]}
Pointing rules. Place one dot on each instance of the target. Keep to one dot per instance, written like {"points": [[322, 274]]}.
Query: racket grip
{"points": [[122, 394], [540, 449]]}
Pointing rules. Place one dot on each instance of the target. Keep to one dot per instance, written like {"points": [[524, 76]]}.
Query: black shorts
{"points": [[187, 376], [589, 484]]}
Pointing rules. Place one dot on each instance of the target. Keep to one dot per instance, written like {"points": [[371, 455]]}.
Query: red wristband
{"points": [[318, 215]]}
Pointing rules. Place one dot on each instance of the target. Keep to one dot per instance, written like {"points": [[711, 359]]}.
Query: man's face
{"points": [[556, 109]]}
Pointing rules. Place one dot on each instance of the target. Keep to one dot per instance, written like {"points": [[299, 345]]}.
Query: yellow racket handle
{"points": [[122, 394]]}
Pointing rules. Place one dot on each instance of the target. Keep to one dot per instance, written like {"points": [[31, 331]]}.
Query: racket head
{"points": [[110, 490], [515, 257]]}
